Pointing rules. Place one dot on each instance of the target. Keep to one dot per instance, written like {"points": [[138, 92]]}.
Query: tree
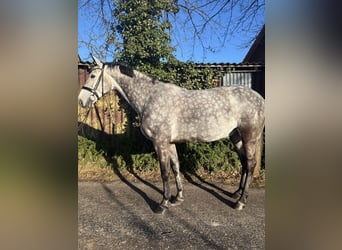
{"points": [[141, 35], [196, 20], [222, 19]]}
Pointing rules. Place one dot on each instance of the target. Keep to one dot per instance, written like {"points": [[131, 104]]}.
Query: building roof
{"points": [[219, 66], [258, 44], [232, 67]]}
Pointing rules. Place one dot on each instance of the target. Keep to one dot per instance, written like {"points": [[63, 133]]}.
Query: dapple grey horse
{"points": [[170, 114]]}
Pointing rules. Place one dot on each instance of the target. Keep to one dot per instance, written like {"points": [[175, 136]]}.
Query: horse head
{"points": [[97, 84]]}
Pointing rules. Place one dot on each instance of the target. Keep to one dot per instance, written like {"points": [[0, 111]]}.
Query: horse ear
{"points": [[97, 61]]}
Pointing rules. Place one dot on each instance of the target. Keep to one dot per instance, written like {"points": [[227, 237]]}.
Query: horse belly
{"points": [[207, 131]]}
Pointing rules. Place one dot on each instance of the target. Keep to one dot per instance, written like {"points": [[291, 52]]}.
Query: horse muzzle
{"points": [[85, 98]]}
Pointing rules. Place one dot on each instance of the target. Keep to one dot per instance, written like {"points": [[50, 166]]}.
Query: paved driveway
{"points": [[119, 215]]}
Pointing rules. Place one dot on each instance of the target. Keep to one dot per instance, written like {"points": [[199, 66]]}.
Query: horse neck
{"points": [[135, 89]]}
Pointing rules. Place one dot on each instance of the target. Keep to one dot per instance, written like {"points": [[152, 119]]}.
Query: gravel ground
{"points": [[119, 215]]}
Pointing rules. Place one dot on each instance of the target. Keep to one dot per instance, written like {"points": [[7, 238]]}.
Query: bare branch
{"points": [[224, 19], [198, 21]]}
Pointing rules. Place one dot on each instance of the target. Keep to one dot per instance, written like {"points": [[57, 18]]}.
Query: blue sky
{"points": [[230, 50]]}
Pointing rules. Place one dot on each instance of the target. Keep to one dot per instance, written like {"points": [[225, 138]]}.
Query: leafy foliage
{"points": [[88, 151], [213, 156], [141, 35]]}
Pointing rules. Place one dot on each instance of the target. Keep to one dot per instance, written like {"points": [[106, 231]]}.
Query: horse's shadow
{"points": [[190, 176], [110, 144], [152, 204]]}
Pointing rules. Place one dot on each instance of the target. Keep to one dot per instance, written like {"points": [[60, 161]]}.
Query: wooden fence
{"points": [[106, 116]]}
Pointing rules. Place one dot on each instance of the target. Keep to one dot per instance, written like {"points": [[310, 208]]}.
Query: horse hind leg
{"points": [[251, 162], [175, 167], [236, 139], [246, 150]]}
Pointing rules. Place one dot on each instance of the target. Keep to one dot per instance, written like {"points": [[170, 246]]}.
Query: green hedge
{"points": [[212, 157], [138, 154]]}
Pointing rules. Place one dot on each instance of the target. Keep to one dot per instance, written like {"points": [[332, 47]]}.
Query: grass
{"points": [[213, 163], [94, 172]]}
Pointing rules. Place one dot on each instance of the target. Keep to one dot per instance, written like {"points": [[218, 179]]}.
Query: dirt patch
{"points": [[91, 172]]}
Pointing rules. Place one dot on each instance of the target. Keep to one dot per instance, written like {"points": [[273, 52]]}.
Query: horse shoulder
{"points": [[159, 107]]}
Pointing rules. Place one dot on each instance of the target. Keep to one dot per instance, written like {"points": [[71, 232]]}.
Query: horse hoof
{"points": [[160, 209], [239, 205], [177, 201]]}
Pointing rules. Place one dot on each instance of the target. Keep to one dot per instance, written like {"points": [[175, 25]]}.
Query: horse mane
{"points": [[130, 72], [126, 71]]}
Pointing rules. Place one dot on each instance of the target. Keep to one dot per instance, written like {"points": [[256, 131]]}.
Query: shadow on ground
{"points": [[117, 143]]}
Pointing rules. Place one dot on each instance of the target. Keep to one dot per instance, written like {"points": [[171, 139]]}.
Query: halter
{"points": [[93, 90], [94, 93]]}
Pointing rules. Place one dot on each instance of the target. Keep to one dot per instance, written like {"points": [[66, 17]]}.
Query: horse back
{"points": [[177, 114]]}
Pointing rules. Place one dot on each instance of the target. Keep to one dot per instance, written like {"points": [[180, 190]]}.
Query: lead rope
{"points": [[107, 97], [110, 110], [96, 109], [99, 117]]}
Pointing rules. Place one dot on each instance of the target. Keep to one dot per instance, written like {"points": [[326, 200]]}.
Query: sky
{"points": [[231, 50]]}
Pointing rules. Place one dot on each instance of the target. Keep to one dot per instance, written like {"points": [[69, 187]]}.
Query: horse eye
{"points": [[92, 76]]}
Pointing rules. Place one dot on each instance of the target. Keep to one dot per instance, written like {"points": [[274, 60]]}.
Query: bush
{"points": [[138, 154], [212, 157], [88, 152], [145, 161]]}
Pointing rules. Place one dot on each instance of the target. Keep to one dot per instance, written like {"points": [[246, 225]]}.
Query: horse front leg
{"points": [[175, 167], [163, 153]]}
